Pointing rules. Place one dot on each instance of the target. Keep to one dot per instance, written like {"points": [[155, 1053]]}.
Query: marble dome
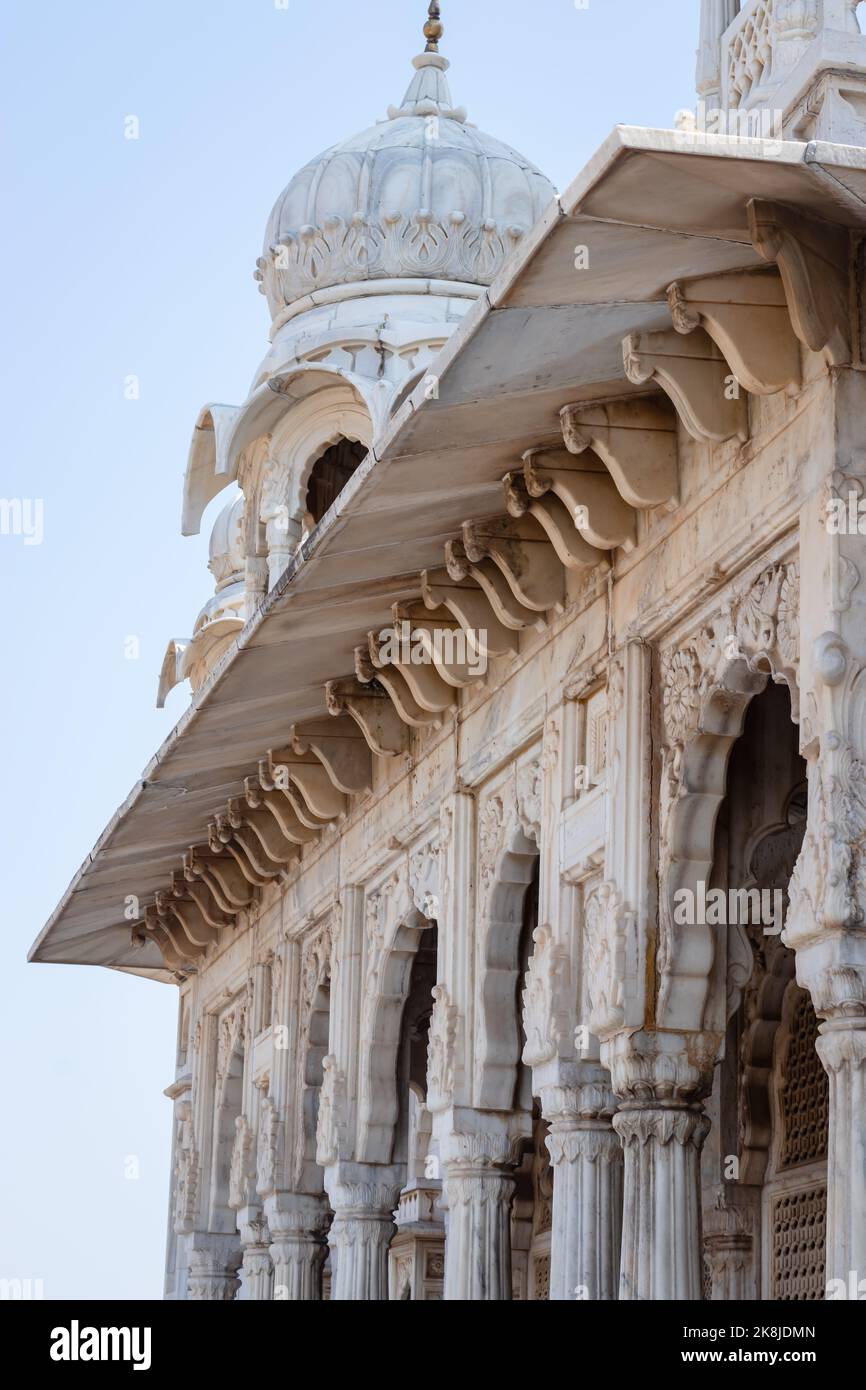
{"points": [[422, 195]]}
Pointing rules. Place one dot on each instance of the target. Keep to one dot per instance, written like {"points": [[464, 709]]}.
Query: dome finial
{"points": [[434, 28]]}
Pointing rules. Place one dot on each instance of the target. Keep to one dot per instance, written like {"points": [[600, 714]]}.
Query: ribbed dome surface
{"points": [[421, 195]]}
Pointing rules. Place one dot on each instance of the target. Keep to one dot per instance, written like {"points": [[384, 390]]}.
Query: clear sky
{"points": [[129, 258]]}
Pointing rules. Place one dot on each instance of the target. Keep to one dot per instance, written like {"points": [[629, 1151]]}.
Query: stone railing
{"points": [[768, 38]]}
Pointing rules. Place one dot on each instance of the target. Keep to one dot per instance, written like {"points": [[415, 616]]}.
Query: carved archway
{"points": [[228, 1114], [314, 425], [394, 928], [707, 685], [315, 1022], [508, 855]]}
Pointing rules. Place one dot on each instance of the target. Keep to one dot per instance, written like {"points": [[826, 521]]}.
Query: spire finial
{"points": [[434, 28]]}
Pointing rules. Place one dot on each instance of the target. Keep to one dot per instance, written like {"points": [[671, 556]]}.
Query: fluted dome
{"points": [[422, 195]]}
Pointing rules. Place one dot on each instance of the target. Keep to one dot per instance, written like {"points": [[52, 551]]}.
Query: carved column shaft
{"points": [[478, 1244], [842, 1049], [298, 1246], [258, 1274], [213, 1275], [360, 1235], [661, 1248], [298, 1257], [587, 1209]]}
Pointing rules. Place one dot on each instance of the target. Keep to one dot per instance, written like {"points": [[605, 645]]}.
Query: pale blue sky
{"points": [[119, 258]]}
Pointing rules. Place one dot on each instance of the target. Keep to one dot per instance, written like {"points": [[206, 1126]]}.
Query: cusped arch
{"points": [[388, 980], [688, 950], [501, 911]]}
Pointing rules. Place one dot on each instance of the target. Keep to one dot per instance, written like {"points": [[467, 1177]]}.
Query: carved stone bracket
{"points": [[813, 261], [746, 315], [636, 439], [588, 492], [693, 372]]}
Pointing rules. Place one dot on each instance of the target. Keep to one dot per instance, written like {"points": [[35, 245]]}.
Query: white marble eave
{"points": [[541, 336]]}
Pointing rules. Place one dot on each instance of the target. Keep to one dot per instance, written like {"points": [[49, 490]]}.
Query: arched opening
{"points": [[765, 1165], [329, 475], [532, 1210], [228, 1110], [417, 1255]]}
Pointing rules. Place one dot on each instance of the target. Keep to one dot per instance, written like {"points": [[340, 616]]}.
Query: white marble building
{"points": [[529, 707]]}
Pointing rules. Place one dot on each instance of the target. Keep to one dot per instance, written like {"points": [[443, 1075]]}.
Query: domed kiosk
{"points": [[373, 254]]}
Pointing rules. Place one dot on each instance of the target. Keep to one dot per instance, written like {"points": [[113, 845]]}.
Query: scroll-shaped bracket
{"points": [[554, 517], [277, 848], [813, 258], [746, 315], [185, 911], [427, 687], [437, 636], [222, 876], [692, 371], [341, 748], [244, 850], [171, 942], [394, 684], [521, 551], [589, 494], [304, 773], [636, 440], [280, 808], [469, 604], [509, 610], [372, 711], [184, 884]]}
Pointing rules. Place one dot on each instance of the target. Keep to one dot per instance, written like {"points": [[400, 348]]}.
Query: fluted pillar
{"points": [[478, 1241], [298, 1248], [213, 1269], [661, 1246], [363, 1201], [842, 1049], [586, 1156]]}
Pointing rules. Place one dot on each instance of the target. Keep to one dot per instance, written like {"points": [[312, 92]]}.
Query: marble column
{"points": [[842, 1049], [213, 1269], [298, 1247], [478, 1196], [661, 1245], [587, 1160], [257, 1267], [363, 1226]]}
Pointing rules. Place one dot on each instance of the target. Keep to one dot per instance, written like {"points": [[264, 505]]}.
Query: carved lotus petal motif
{"points": [[681, 696], [788, 626]]}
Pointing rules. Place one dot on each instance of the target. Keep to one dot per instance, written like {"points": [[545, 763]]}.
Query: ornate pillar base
{"points": [[298, 1248], [731, 1244], [213, 1269], [587, 1161], [363, 1198]]}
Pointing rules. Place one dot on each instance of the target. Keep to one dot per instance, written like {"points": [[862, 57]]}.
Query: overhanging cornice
{"points": [[652, 207]]}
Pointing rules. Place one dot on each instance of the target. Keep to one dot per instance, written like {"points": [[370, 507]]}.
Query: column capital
{"points": [[573, 1107], [363, 1189], [661, 1068], [481, 1138]]}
